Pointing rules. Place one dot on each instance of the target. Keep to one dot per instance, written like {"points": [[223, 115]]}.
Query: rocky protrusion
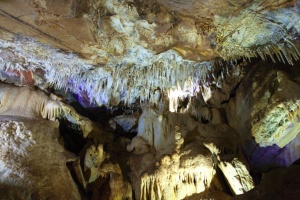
{"points": [[33, 163], [237, 176], [100, 177], [266, 108], [127, 122]]}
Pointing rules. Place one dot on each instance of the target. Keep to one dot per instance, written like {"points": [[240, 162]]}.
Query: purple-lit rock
{"points": [[266, 158]]}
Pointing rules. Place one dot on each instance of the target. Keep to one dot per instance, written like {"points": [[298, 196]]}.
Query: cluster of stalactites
{"points": [[146, 83], [167, 75], [125, 81], [283, 52], [181, 183]]}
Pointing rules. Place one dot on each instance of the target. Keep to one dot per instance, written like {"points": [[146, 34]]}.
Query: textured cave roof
{"points": [[96, 48]]}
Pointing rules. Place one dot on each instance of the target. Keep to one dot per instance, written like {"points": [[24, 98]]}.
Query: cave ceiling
{"points": [[112, 51]]}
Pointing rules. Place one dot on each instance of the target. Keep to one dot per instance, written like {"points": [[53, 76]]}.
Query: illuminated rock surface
{"points": [[268, 113], [267, 109], [156, 99], [33, 163], [184, 172]]}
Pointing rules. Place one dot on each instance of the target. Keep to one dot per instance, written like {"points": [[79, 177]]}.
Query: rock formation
{"points": [[33, 163], [154, 99]]}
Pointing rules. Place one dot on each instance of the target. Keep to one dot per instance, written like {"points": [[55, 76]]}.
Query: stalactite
{"points": [[112, 82], [284, 52]]}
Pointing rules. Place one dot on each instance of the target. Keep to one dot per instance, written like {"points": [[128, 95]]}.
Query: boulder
{"points": [[32, 162], [266, 114]]}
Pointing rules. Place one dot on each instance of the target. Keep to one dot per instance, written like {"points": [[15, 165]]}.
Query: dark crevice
{"points": [[183, 103], [297, 162], [204, 121], [232, 93], [119, 132], [80, 188], [72, 138], [220, 175], [96, 114]]}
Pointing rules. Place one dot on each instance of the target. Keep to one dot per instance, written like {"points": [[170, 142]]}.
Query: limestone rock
{"points": [[237, 175], [93, 160], [266, 107], [262, 35], [27, 102], [120, 189], [102, 178], [78, 172], [127, 122], [33, 164], [131, 49], [60, 9], [187, 173], [267, 103], [158, 127], [208, 194], [188, 166], [138, 145], [110, 183], [181, 61], [223, 137], [234, 168], [30, 103]]}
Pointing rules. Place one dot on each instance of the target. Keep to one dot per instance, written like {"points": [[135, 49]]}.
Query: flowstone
{"points": [[187, 165]]}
